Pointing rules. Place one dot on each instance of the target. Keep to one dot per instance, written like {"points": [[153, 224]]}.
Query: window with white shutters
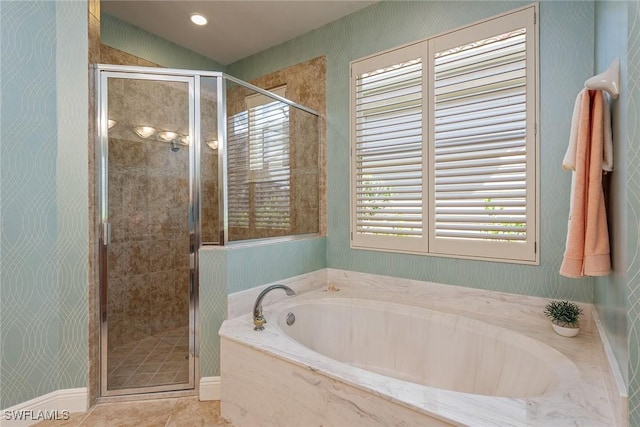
{"points": [[387, 157], [444, 147], [258, 163]]}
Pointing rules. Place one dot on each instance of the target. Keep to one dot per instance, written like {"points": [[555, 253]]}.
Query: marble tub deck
{"points": [[593, 400]]}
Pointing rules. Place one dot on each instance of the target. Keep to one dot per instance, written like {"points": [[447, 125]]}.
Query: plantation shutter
{"points": [[237, 165], [258, 164], [387, 150], [482, 140], [443, 144], [269, 170]]}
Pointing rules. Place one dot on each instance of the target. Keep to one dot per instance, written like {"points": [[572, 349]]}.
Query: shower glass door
{"points": [[148, 232]]}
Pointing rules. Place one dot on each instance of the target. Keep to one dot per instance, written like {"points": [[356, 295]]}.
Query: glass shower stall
{"points": [[186, 158]]}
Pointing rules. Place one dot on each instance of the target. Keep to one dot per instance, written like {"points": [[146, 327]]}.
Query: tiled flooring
{"points": [[182, 412], [157, 360]]}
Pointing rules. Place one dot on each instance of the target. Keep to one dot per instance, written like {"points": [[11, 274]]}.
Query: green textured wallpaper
{"points": [[43, 187], [610, 292], [566, 60], [633, 209], [239, 267]]}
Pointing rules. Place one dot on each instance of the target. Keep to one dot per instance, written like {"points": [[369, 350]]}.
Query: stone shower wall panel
{"points": [[148, 278], [306, 85], [209, 162]]}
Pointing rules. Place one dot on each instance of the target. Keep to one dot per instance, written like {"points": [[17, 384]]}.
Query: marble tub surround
{"points": [[305, 386]]}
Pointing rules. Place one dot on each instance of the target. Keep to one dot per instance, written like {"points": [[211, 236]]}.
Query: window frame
{"points": [[251, 216], [393, 243], [499, 251]]}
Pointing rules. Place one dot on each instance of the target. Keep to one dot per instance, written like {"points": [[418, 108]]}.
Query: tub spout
{"points": [[258, 319]]}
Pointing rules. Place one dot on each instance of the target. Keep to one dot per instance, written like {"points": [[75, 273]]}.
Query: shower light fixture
{"points": [[184, 139], [167, 136], [198, 19], [111, 123], [213, 144], [144, 131]]}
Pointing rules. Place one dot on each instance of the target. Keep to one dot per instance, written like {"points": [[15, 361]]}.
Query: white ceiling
{"points": [[236, 29]]}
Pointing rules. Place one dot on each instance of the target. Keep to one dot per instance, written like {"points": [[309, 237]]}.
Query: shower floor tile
{"points": [[161, 359]]}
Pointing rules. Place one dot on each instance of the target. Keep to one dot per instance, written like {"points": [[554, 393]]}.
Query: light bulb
{"points": [[167, 136], [144, 131], [184, 139], [198, 19]]}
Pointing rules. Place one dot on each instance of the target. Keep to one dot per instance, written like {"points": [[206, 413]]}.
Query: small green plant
{"points": [[563, 313]]}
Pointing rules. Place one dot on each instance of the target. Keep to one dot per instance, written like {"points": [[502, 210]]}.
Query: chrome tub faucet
{"points": [[258, 319]]}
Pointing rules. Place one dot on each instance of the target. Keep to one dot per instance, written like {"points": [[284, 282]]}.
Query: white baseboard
{"points": [[210, 388], [55, 405]]}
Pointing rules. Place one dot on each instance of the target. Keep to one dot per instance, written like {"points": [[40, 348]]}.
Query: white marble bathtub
{"points": [[391, 352], [428, 347]]}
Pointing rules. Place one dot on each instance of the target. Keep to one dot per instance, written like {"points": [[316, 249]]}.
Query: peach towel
{"points": [[587, 249]]}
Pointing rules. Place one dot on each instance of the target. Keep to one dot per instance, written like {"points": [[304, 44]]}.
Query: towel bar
{"points": [[608, 80]]}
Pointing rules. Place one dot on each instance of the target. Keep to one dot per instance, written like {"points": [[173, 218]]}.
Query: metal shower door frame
{"points": [[102, 74]]}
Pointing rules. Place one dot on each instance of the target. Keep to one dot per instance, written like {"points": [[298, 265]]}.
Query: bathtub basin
{"points": [[428, 347], [418, 354]]}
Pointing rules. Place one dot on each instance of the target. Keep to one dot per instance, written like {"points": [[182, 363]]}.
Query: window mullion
{"points": [[429, 146]]}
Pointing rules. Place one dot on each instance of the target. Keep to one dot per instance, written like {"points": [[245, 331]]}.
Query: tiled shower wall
{"points": [[209, 161], [305, 83], [148, 270]]}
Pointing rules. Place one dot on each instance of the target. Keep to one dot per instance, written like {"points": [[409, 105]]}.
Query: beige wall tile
{"points": [[306, 85]]}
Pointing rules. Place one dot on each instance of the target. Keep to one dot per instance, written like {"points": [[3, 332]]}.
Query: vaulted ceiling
{"points": [[236, 29]]}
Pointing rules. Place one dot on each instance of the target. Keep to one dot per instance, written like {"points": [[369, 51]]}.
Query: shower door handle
{"points": [[192, 251], [106, 233]]}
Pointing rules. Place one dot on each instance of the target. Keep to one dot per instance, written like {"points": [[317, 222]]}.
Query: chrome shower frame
{"points": [[193, 78]]}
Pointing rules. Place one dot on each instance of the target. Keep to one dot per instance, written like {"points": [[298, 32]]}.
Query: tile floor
{"points": [[160, 359], [178, 412]]}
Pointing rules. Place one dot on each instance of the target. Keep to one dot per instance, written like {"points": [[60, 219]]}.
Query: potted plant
{"points": [[564, 317]]}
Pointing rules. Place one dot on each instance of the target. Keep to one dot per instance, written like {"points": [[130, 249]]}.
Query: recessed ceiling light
{"points": [[198, 19]]}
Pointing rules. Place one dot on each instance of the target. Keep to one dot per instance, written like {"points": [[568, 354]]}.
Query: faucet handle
{"points": [[259, 321]]}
